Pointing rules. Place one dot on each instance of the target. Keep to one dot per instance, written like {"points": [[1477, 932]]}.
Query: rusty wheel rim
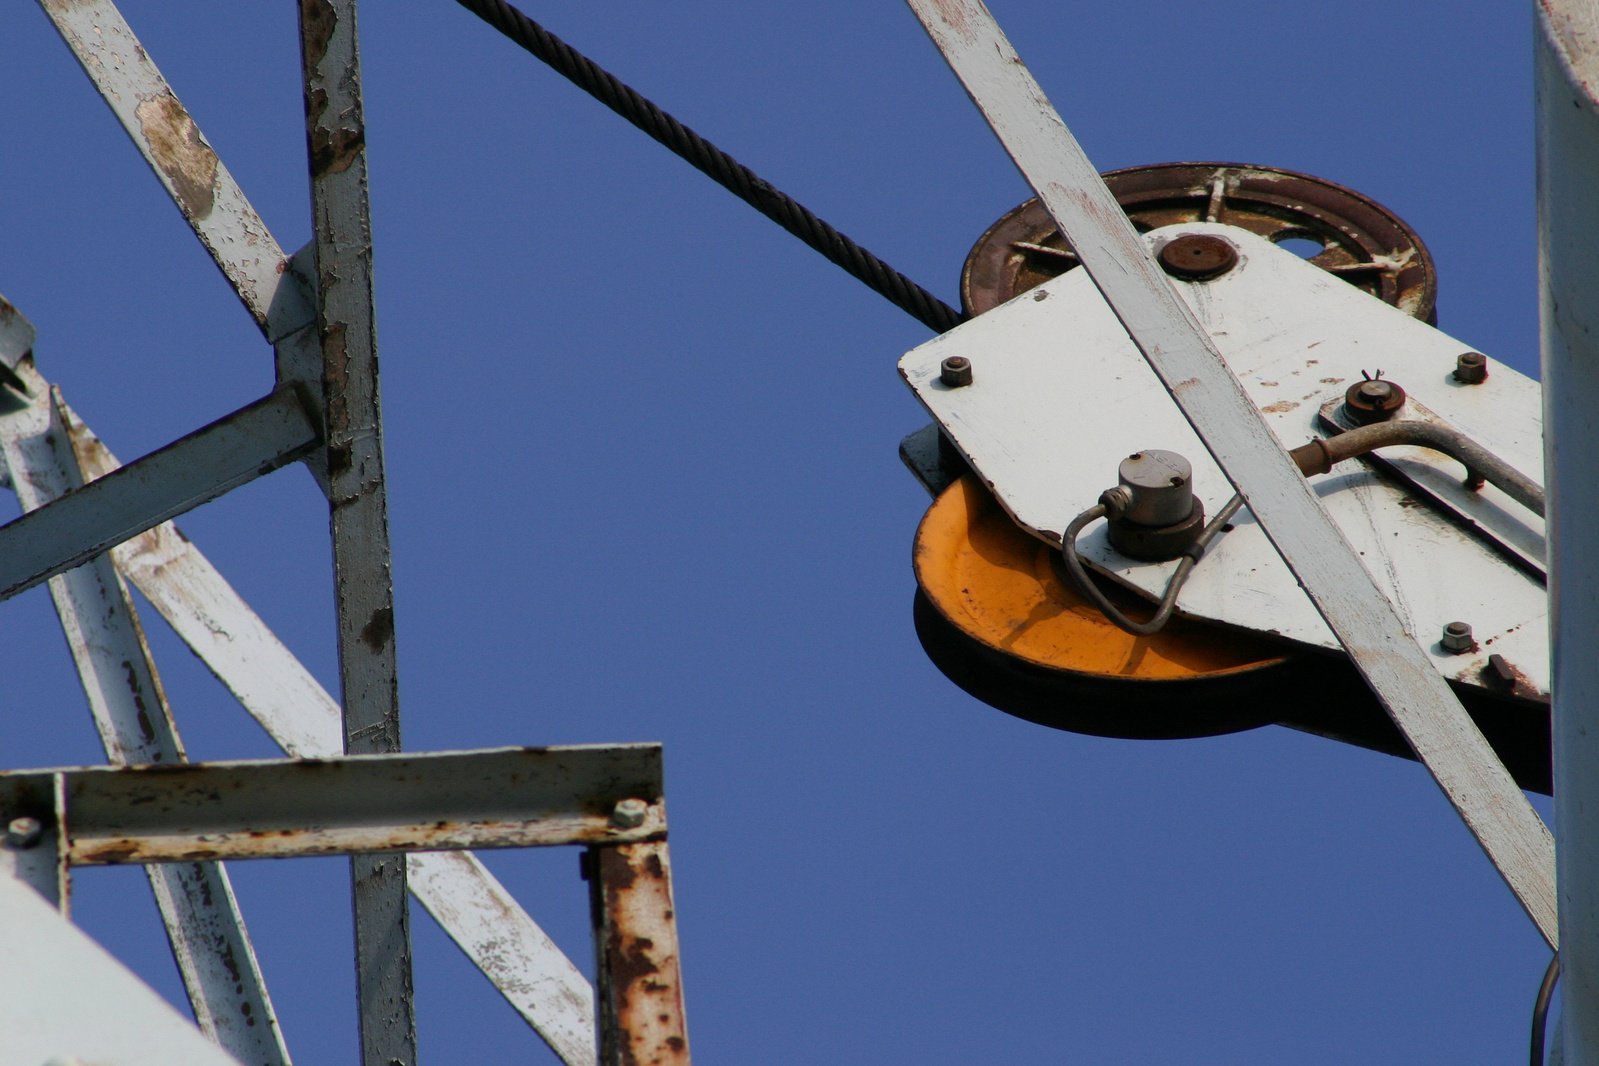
{"points": [[1360, 241]]}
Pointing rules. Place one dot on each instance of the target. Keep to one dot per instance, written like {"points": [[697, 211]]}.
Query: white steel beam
{"points": [[201, 186], [1567, 78], [209, 941], [1215, 404], [471, 905], [255, 440]]}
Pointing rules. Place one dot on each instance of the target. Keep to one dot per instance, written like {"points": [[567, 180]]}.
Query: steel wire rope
{"points": [[716, 164]]}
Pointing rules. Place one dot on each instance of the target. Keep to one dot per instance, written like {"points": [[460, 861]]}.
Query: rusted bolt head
{"points": [[1471, 368], [955, 371], [629, 813], [1457, 637], [1373, 401], [24, 832], [1197, 256]]}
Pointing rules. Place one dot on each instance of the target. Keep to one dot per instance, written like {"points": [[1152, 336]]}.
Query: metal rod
{"points": [[1215, 404], [1321, 454], [254, 440], [363, 593]]}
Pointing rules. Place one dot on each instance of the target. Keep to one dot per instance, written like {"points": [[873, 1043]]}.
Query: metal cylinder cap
{"points": [[1161, 485], [1198, 256]]}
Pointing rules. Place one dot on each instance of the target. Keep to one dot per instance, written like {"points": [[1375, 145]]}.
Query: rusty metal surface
{"points": [[642, 1020], [253, 441], [207, 934], [504, 797], [200, 185], [1362, 242], [363, 591]]}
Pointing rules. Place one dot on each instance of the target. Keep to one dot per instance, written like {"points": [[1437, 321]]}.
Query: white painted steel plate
{"points": [[1060, 396]]}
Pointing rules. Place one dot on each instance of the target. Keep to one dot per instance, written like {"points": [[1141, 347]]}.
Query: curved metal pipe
{"points": [[1319, 456]]}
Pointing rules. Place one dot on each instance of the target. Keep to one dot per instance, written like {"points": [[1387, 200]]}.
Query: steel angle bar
{"points": [[359, 520], [33, 849], [211, 201], [635, 941], [536, 978], [282, 808], [253, 441], [1182, 355], [209, 942]]}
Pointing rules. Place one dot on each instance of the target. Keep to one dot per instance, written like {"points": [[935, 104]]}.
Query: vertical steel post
{"points": [[363, 591], [639, 984], [1567, 73]]}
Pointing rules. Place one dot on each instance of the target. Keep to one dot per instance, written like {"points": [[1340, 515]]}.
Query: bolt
{"points": [[1197, 257], [1373, 400], [1377, 392], [24, 832], [1457, 637], [955, 371], [1471, 368], [629, 813]]}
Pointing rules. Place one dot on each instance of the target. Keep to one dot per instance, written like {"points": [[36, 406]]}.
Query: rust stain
{"points": [[379, 630], [180, 153], [1280, 407]]}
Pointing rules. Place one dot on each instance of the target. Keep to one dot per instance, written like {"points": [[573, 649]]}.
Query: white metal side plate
{"points": [[1060, 396]]}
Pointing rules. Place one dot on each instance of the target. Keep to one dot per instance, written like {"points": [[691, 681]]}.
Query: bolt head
{"points": [[955, 371], [1457, 637], [1471, 368], [24, 832], [629, 813], [1197, 256], [1376, 391]]}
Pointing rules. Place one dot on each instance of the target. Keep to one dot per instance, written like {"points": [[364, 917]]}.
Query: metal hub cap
{"points": [[1335, 228]]}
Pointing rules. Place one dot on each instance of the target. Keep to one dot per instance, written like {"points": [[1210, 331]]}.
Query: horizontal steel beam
{"points": [[254, 440], [268, 809]]}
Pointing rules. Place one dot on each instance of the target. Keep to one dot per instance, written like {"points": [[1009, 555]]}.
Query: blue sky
{"points": [[643, 486]]}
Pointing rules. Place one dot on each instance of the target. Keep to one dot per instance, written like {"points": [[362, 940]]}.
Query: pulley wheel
{"points": [[1335, 228], [997, 617]]}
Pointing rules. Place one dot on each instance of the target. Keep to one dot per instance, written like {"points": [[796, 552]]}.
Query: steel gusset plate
{"points": [[1361, 241]]}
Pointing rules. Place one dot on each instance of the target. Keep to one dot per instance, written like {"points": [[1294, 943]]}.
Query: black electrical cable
{"points": [[1168, 602], [716, 164], [1540, 1009]]}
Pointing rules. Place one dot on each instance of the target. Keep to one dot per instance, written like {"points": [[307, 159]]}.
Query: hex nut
{"points": [[955, 371], [629, 813], [1457, 637], [1471, 368], [24, 832]]}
